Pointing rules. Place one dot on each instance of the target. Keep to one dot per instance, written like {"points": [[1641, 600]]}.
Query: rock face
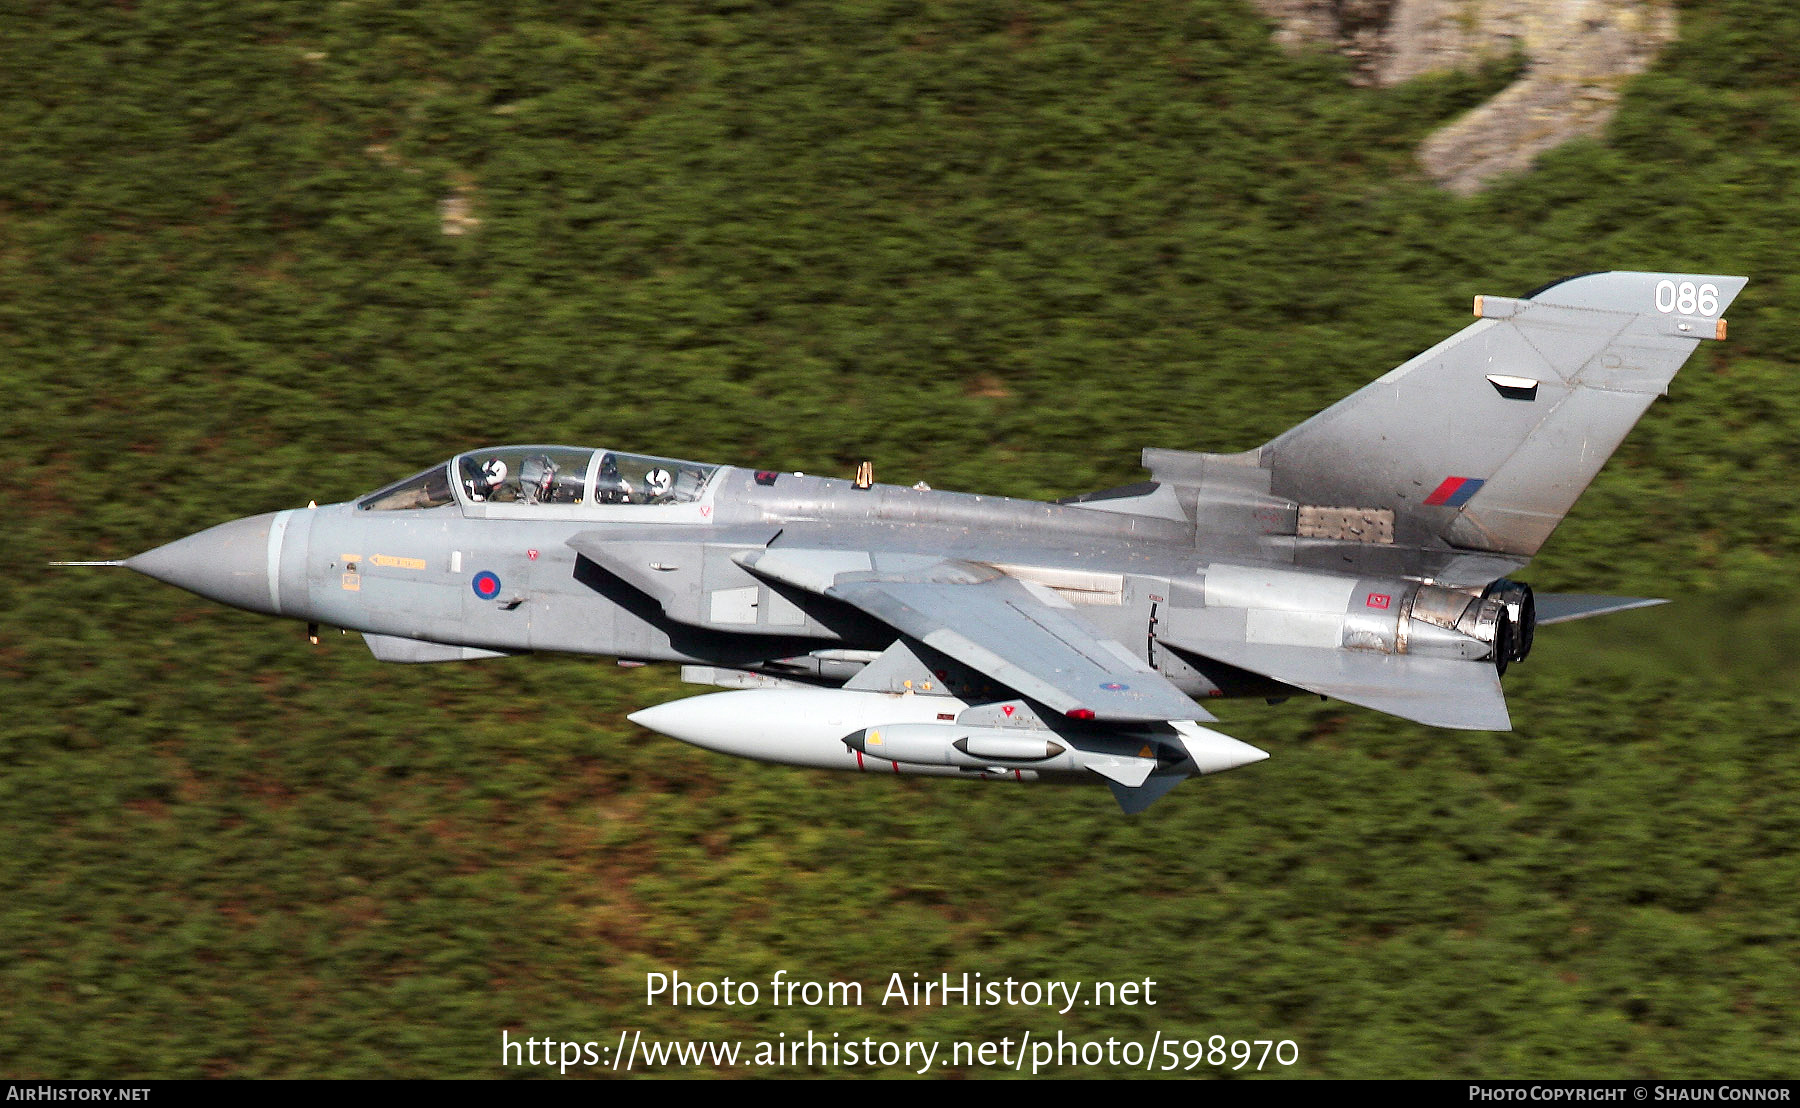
{"points": [[1579, 53], [1358, 29]]}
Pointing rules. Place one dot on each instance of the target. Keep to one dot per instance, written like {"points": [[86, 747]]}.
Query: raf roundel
{"points": [[486, 585]]}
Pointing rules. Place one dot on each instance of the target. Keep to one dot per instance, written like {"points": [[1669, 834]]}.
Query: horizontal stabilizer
{"points": [[1441, 692], [1566, 607]]}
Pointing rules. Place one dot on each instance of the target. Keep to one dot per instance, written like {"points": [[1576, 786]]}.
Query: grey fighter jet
{"points": [[1363, 555]]}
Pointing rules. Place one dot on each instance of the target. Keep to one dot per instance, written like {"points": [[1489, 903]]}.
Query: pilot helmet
{"points": [[659, 481], [493, 471]]}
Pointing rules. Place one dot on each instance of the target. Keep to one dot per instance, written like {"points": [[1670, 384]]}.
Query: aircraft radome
{"points": [[1362, 555]]}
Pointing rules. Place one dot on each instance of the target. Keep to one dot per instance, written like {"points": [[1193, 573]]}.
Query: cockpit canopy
{"points": [[543, 475]]}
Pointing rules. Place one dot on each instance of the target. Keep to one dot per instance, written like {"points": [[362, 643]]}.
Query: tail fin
{"points": [[1486, 440]]}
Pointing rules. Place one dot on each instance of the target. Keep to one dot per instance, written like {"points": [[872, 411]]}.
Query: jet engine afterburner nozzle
{"points": [[1521, 609]]}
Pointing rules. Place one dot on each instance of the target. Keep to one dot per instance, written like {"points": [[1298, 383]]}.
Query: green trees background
{"points": [[995, 246]]}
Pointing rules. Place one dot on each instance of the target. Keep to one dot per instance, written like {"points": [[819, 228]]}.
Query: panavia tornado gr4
{"points": [[1362, 555]]}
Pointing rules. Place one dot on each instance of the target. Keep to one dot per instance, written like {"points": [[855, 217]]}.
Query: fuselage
{"points": [[630, 557]]}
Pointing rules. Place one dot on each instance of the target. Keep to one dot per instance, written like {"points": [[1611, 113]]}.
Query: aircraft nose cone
{"points": [[230, 563]]}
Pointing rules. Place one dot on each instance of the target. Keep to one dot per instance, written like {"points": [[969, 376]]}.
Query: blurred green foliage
{"points": [[996, 246]]}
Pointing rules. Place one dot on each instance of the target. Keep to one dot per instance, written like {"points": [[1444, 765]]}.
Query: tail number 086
{"points": [[1686, 298]]}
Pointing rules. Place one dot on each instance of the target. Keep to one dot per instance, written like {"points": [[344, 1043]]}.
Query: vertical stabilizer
{"points": [[1486, 440]]}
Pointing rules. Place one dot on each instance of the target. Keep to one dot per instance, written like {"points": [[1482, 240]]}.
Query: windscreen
{"points": [[428, 489]]}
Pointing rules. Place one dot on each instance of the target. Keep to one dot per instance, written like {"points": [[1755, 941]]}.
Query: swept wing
{"points": [[1020, 634]]}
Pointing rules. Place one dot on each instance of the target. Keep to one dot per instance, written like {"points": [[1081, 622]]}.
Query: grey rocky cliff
{"points": [[1578, 55]]}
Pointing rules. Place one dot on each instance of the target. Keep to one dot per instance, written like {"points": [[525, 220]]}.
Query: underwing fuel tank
{"points": [[797, 727], [909, 733]]}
